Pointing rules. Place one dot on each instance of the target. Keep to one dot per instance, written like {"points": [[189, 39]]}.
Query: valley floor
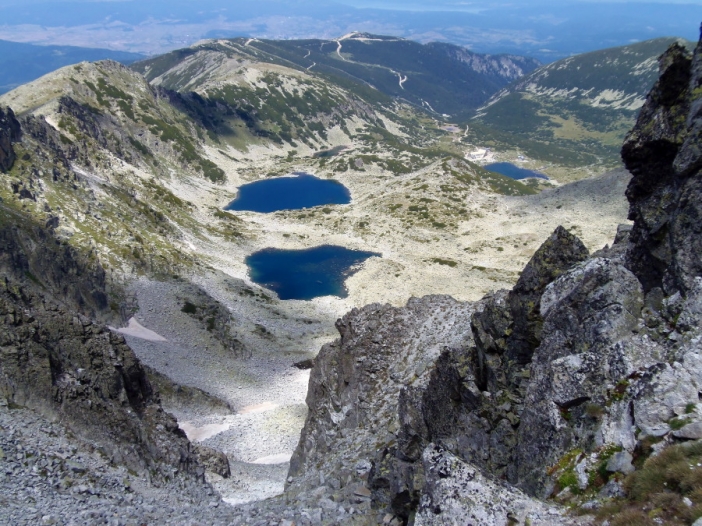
{"points": [[265, 392]]}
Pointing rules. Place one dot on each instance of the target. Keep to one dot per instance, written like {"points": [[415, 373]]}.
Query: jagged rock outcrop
{"points": [[400, 381], [213, 316], [32, 253], [560, 384], [507, 335], [663, 154], [587, 315], [10, 132], [356, 390], [473, 400], [56, 360], [498, 67], [90, 128]]}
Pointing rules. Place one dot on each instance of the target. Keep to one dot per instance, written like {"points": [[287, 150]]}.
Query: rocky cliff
{"points": [[497, 67], [9, 132], [57, 360], [561, 387], [663, 154]]}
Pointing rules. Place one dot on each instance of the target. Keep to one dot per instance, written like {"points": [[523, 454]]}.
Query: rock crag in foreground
{"points": [[437, 412], [58, 361]]}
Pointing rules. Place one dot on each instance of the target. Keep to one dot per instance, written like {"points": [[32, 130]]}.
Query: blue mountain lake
{"points": [[512, 171], [306, 274], [289, 193]]}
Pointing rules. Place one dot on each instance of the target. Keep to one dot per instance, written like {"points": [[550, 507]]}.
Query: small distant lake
{"points": [[512, 171], [329, 153], [289, 193], [306, 274]]}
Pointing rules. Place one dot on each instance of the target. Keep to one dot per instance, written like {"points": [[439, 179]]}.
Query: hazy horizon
{"points": [[546, 29]]}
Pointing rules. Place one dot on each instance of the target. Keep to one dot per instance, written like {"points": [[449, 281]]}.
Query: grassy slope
{"points": [[125, 144], [575, 111]]}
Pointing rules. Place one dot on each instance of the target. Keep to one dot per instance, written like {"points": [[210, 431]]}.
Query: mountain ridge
{"points": [[22, 63], [376, 61]]}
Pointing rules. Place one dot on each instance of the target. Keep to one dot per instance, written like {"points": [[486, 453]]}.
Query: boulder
{"points": [[458, 493], [212, 460], [692, 431], [620, 462]]}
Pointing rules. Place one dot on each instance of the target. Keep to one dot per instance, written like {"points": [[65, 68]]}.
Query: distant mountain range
{"points": [[21, 63], [440, 78], [572, 112]]}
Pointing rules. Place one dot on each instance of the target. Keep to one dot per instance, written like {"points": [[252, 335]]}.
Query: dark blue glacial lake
{"points": [[289, 193], [512, 171], [306, 274]]}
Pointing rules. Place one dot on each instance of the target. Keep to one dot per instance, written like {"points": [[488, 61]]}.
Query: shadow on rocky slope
{"points": [[54, 358]]}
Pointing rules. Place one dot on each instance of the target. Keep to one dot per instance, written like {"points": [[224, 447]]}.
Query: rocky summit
{"points": [[572, 398]]}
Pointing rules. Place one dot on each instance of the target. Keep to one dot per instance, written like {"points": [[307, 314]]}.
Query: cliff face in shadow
{"points": [[9, 132], [663, 154], [58, 360], [557, 387]]}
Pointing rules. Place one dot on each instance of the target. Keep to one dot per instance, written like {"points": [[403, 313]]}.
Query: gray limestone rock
{"points": [[663, 154], [621, 462], [612, 489], [692, 431], [364, 389], [457, 493], [587, 311], [212, 460]]}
